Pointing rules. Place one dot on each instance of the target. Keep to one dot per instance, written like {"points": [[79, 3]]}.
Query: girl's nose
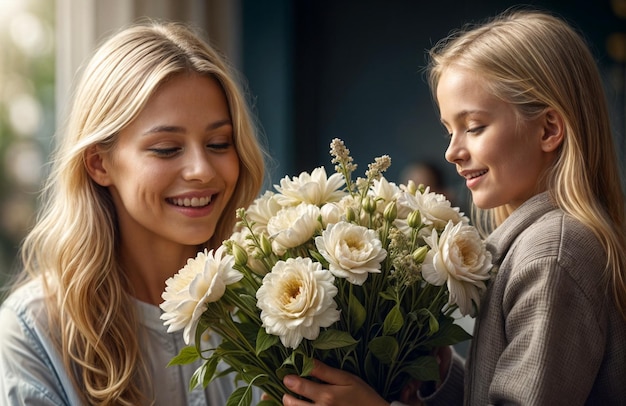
{"points": [[456, 151]]}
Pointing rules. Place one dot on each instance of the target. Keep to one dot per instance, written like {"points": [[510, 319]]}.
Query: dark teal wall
{"points": [[352, 69]]}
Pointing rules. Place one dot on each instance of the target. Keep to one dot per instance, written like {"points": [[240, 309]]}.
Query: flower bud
{"points": [[391, 211], [414, 219], [350, 215], [240, 254], [420, 253], [411, 187], [369, 205], [266, 245]]}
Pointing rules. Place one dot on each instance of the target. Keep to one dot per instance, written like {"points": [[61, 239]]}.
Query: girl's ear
{"points": [[553, 131], [95, 161]]}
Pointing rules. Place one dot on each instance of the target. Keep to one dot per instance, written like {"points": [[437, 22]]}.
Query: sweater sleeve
{"points": [[555, 337]]}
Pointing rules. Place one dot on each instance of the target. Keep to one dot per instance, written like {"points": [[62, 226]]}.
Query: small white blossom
{"points": [[459, 258], [297, 299], [384, 192], [435, 209], [254, 264], [352, 251], [201, 281], [315, 188], [293, 226]]}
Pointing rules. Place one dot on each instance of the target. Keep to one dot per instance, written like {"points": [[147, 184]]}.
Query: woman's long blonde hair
{"points": [[75, 240], [536, 61]]}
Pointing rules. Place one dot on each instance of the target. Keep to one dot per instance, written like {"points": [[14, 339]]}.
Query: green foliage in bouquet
{"points": [[361, 274]]}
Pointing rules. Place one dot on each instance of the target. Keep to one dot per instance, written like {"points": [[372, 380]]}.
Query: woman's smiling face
{"points": [[174, 167], [498, 152]]}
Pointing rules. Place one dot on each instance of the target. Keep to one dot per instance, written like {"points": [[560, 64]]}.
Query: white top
{"points": [[32, 372]]}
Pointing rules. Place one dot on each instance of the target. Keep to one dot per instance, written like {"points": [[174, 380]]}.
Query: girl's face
{"points": [[501, 156], [175, 166]]}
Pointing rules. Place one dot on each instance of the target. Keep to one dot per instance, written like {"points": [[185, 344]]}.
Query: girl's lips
{"points": [[473, 177]]}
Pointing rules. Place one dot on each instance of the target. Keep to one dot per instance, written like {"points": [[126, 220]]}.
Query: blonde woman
{"points": [[522, 101], [158, 152]]}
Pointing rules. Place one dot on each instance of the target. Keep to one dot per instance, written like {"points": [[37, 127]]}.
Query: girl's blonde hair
{"points": [[75, 241], [536, 61]]}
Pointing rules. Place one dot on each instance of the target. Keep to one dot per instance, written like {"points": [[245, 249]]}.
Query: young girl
{"points": [[522, 101], [158, 152]]}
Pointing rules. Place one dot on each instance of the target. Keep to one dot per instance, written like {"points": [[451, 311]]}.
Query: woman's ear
{"points": [[95, 161], [553, 131]]}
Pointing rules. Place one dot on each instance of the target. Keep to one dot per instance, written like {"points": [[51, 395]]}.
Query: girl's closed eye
{"points": [[476, 130]]}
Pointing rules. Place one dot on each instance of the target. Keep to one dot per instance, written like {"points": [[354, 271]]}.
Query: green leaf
{"points": [[242, 396], [449, 334], [211, 366], [423, 368], [186, 356], [319, 258], [384, 348], [433, 324], [264, 341], [388, 294], [393, 322], [331, 339], [357, 313], [204, 374]]}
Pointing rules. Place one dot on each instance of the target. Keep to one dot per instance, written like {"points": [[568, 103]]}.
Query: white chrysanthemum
{"points": [[352, 251], [262, 210], [315, 188], [296, 299], [201, 281], [435, 208], [459, 258], [293, 226], [384, 192]]}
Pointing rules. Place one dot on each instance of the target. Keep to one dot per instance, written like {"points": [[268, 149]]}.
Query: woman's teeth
{"points": [[193, 202]]}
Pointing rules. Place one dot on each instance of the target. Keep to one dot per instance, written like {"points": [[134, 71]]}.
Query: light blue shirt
{"points": [[32, 371]]}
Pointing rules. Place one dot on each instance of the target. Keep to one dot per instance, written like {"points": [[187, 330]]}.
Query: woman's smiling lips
{"points": [[193, 205]]}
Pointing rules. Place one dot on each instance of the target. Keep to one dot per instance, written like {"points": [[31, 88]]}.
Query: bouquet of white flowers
{"points": [[363, 275]]}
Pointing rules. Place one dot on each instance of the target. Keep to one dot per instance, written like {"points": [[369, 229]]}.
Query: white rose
{"points": [[297, 299], [459, 258], [201, 281], [315, 188], [293, 226], [262, 210], [352, 251]]}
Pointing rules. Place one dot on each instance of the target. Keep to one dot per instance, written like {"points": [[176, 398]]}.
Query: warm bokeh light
{"points": [[26, 116]]}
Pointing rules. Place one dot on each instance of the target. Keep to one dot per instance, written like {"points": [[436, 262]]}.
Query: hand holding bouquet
{"points": [[363, 275]]}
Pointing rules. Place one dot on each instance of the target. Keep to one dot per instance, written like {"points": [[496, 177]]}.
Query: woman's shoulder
{"points": [[24, 311]]}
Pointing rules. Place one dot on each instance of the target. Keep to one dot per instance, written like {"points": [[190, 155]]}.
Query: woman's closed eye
{"points": [[220, 146], [165, 152]]}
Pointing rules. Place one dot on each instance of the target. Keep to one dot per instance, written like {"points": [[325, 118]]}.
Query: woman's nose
{"points": [[198, 165]]}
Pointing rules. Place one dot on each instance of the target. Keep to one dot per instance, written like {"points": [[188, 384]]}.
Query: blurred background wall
{"points": [[316, 70]]}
